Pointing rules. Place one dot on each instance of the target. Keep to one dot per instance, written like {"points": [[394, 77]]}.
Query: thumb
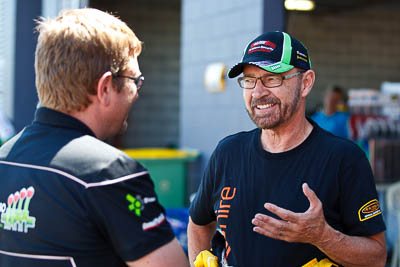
{"points": [[311, 196]]}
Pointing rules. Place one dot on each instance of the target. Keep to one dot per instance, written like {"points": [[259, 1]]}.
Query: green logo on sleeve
{"points": [[135, 204]]}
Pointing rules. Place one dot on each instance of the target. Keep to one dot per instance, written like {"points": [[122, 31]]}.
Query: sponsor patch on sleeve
{"points": [[369, 210]]}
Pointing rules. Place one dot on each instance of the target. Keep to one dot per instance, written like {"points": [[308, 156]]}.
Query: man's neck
{"points": [[287, 136], [89, 118]]}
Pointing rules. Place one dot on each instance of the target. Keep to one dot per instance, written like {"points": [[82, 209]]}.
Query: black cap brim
{"points": [[236, 70]]}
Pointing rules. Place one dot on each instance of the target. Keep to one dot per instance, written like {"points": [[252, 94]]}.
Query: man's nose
{"points": [[259, 89]]}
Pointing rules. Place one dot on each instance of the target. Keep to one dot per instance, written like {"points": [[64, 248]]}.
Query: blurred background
{"points": [[187, 104]]}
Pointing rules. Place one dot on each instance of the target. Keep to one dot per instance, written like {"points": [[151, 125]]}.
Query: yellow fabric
{"points": [[322, 263], [206, 259], [311, 263], [160, 153]]}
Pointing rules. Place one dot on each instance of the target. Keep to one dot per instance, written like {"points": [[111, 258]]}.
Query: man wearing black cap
{"points": [[287, 193]]}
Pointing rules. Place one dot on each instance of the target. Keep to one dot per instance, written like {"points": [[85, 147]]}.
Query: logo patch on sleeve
{"points": [[369, 210], [15, 215], [137, 203]]}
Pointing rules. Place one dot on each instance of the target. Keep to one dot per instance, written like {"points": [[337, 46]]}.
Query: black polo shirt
{"points": [[69, 199]]}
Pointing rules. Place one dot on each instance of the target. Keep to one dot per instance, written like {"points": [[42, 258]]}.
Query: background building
{"points": [[354, 44]]}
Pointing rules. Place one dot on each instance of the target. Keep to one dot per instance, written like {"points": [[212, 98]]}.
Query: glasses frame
{"points": [[139, 81], [260, 78]]}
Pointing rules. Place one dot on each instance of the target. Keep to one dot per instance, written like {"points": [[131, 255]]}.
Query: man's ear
{"points": [[104, 88], [308, 82]]}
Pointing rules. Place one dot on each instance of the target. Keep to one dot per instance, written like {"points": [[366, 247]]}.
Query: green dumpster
{"points": [[167, 168]]}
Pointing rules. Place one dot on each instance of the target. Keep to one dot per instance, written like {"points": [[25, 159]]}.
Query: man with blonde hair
{"points": [[66, 197]]}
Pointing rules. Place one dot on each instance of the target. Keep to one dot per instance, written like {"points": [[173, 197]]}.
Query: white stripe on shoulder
{"points": [[117, 180], [40, 257], [69, 176]]}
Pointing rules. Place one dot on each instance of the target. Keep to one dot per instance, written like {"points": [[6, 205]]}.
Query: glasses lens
{"points": [[271, 81], [247, 82], [139, 82]]}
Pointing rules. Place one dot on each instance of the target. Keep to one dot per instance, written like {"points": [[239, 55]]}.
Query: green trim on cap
{"points": [[284, 64], [277, 67], [287, 49]]}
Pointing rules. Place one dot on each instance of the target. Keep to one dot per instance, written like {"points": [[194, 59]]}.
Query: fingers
{"points": [[291, 226], [268, 223], [264, 232], [291, 216], [284, 214], [273, 227], [268, 226]]}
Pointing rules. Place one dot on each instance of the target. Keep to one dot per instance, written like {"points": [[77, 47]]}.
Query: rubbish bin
{"points": [[167, 168]]}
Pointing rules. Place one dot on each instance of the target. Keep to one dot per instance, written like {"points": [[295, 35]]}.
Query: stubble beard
{"points": [[283, 114]]}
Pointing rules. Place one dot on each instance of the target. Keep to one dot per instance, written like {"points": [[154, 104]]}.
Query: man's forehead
{"points": [[133, 66]]}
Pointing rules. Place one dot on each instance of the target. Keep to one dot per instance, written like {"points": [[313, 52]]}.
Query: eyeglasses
{"points": [[138, 81], [269, 81]]}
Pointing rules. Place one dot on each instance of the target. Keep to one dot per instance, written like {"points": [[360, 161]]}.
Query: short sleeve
{"points": [[129, 215], [202, 207], [360, 208]]}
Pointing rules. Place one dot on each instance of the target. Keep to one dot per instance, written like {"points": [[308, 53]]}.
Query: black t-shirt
{"points": [[241, 177], [69, 199]]}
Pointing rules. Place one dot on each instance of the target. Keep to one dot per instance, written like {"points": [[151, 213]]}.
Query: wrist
{"points": [[327, 238]]}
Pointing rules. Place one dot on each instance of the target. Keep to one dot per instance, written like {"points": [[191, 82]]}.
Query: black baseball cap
{"points": [[275, 52]]}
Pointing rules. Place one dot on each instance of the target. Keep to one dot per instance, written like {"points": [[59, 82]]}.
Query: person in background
{"points": [[6, 128], [287, 193], [66, 197], [334, 118]]}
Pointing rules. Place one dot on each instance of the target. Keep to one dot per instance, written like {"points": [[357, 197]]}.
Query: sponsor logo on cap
{"points": [[302, 56], [369, 210], [275, 67], [262, 46], [262, 63]]}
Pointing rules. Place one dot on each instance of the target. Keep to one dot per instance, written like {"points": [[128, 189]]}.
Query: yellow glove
{"points": [[322, 263], [206, 259]]}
